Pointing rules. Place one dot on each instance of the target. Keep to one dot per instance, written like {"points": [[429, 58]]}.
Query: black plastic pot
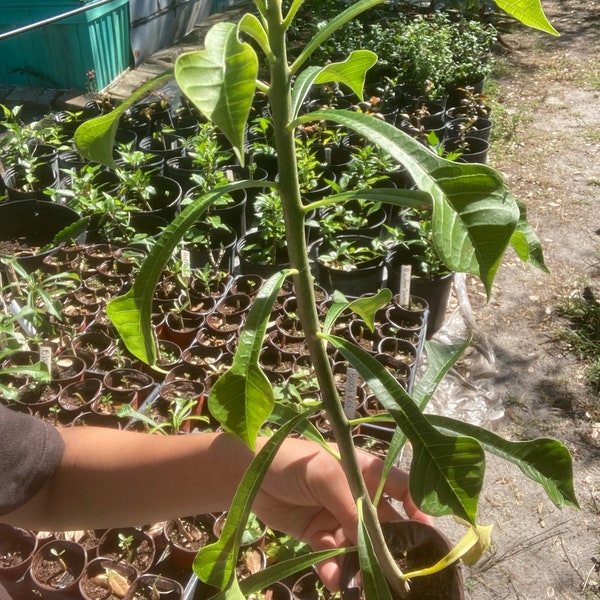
{"points": [[435, 290], [35, 224], [366, 278], [480, 128], [17, 188], [472, 149], [419, 545], [222, 250], [255, 268]]}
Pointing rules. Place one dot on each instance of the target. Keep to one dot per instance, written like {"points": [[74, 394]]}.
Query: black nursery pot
{"points": [[416, 545], [364, 279], [476, 150], [15, 182], [19, 544], [35, 224]]}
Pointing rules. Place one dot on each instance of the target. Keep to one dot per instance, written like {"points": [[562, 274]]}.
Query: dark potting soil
{"points": [[100, 591], [194, 537], [12, 557], [52, 574], [142, 558], [22, 246]]}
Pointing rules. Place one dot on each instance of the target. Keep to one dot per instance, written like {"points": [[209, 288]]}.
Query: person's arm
{"points": [[112, 478]]}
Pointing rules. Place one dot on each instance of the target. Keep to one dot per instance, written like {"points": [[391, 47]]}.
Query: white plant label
{"points": [[46, 356], [350, 395], [185, 262], [405, 275]]}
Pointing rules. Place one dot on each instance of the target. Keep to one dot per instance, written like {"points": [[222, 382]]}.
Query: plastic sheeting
{"points": [[468, 392]]}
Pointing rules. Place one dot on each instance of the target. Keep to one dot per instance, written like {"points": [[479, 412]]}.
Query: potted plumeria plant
{"points": [[474, 220]]}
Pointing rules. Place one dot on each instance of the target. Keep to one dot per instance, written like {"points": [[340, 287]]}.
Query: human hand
{"points": [[306, 494]]}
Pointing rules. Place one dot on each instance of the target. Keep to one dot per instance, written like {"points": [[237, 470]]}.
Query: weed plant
{"points": [[582, 332]]}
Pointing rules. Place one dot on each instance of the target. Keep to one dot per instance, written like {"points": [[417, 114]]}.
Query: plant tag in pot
{"points": [[405, 275], [350, 395], [46, 356], [185, 262]]}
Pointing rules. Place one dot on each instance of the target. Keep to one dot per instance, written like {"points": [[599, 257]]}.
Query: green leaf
{"points": [[302, 87], [396, 197], [233, 591], [95, 138], [465, 544], [374, 583], [72, 232], [351, 71], [250, 24], [215, 564], [474, 214], [446, 471], [131, 312], [440, 359], [366, 308], [242, 398], [544, 460], [221, 80], [325, 32], [529, 12], [281, 414], [525, 243], [279, 571]]}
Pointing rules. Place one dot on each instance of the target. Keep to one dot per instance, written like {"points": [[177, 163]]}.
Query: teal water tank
{"points": [[87, 50]]}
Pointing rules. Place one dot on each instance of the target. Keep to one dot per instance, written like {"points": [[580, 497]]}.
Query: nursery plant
{"points": [[474, 220]]}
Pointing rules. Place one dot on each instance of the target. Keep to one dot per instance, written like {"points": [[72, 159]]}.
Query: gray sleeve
{"points": [[30, 452]]}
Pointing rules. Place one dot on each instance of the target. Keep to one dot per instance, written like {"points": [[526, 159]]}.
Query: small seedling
{"points": [[118, 584], [58, 556], [126, 545]]}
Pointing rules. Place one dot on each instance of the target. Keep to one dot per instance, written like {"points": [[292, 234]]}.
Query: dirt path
{"points": [[549, 114]]}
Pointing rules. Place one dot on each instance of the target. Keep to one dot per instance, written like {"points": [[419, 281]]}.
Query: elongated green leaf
{"points": [[72, 232], [366, 308], [396, 197], [440, 359], [37, 371], [466, 543], [279, 571], [351, 72], [250, 24], [526, 244], [474, 214], [215, 564], [294, 8], [282, 414], [242, 398], [544, 460], [447, 471], [302, 87], [374, 583], [95, 138], [220, 80], [325, 32], [131, 312], [529, 12]]}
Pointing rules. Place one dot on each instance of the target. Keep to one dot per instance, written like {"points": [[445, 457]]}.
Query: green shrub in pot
{"points": [[474, 220]]}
